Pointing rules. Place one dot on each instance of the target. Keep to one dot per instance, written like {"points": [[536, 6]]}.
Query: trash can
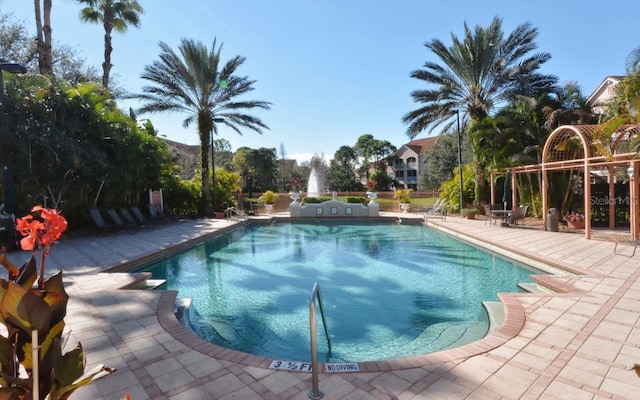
{"points": [[552, 220]]}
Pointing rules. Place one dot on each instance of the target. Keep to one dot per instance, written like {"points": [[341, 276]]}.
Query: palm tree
{"points": [[566, 106], [632, 62], [195, 82], [43, 36], [475, 76], [114, 14]]}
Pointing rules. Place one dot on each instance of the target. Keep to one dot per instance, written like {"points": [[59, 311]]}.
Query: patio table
{"points": [[504, 214]]}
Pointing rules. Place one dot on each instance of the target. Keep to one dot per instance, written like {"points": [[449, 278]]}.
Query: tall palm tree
{"points": [[476, 76], [196, 82], [114, 15], [632, 62], [43, 36]]}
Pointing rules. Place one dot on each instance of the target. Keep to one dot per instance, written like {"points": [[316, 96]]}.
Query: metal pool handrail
{"points": [[315, 393]]}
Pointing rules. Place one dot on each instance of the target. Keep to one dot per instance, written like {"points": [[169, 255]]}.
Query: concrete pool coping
{"points": [[578, 344]]}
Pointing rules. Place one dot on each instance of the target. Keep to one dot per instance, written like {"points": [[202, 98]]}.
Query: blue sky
{"points": [[337, 69]]}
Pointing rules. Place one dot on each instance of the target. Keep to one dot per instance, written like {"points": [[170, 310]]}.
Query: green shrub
{"points": [[316, 200], [356, 199]]}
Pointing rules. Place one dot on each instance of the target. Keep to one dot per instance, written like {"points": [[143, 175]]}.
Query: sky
{"points": [[338, 69]]}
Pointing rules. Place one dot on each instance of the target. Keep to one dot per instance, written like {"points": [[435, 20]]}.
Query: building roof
{"points": [[604, 91], [420, 146]]}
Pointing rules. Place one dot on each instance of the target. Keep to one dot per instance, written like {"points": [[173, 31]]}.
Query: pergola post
{"points": [[612, 197], [493, 187], [545, 202], [634, 207], [587, 199], [514, 190]]}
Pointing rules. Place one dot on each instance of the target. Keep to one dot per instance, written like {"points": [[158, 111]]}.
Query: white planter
{"points": [[405, 207], [269, 208], [294, 196], [372, 196]]}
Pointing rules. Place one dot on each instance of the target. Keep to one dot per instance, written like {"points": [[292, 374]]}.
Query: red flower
{"points": [[574, 217], [42, 228], [43, 231]]}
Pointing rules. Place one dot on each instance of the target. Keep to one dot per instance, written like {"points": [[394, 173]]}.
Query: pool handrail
{"points": [[315, 393], [233, 210]]}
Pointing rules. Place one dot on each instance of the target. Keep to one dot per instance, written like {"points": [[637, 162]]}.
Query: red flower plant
{"points": [[42, 228], [574, 217]]}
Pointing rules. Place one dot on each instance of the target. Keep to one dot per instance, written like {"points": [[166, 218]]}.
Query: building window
{"points": [[412, 161], [412, 172], [398, 161], [399, 174]]}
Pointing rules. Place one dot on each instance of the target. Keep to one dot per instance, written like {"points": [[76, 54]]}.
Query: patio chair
{"points": [[626, 243], [436, 211], [488, 215], [99, 222], [519, 214]]}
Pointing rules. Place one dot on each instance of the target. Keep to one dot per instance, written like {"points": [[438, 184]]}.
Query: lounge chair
{"points": [[438, 210], [127, 216], [141, 223], [99, 222], [140, 216], [115, 217], [155, 215]]}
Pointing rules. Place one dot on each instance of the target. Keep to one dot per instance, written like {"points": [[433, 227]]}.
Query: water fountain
{"points": [[313, 186], [330, 208]]}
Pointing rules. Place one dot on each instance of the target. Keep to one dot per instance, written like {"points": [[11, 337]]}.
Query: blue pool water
{"points": [[389, 290]]}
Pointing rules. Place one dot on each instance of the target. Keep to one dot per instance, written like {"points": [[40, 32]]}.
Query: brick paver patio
{"points": [[574, 344]]}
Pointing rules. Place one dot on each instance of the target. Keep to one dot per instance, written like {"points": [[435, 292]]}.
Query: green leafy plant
{"points": [[469, 212], [268, 197], [404, 195], [30, 313]]}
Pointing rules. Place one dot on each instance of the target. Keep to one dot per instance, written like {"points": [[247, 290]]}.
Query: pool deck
{"points": [[575, 344]]}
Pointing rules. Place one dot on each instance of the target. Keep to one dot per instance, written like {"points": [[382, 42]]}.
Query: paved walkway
{"points": [[576, 344]]}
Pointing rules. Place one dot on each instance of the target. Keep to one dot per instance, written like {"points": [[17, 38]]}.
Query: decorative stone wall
{"points": [[333, 209]]}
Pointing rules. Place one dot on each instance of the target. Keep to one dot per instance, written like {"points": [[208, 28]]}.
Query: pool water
{"points": [[389, 290]]}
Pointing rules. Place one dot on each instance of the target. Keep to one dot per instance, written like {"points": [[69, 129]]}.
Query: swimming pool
{"points": [[389, 290]]}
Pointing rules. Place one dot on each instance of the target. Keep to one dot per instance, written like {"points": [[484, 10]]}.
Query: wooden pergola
{"points": [[572, 147]]}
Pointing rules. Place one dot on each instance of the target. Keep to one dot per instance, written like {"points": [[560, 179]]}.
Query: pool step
{"points": [[182, 308], [528, 287], [152, 284], [495, 311], [252, 336]]}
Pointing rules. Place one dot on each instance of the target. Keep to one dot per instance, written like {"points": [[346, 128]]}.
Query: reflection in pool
{"points": [[389, 290]]}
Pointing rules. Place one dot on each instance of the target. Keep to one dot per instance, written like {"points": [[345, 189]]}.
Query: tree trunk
{"points": [[48, 49], [106, 65], [480, 184], [43, 37], [39, 36], [204, 155]]}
